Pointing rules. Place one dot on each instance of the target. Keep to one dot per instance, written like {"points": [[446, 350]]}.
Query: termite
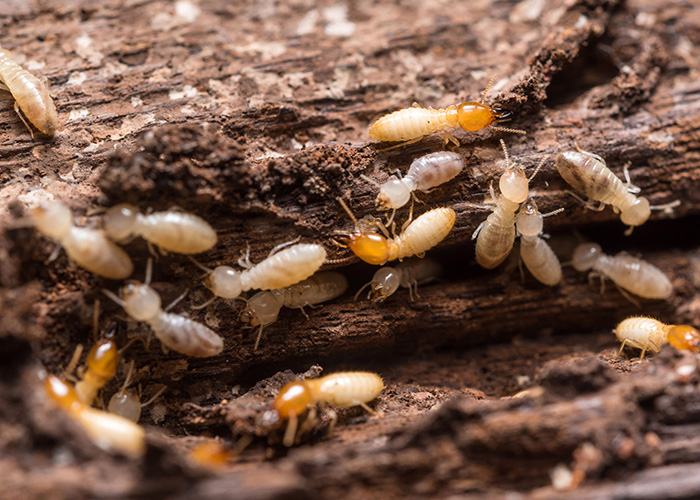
{"points": [[420, 236], [179, 333], [425, 173], [496, 235], [534, 250], [263, 308], [627, 272], [280, 269], [642, 333], [410, 125], [108, 431], [89, 248], [31, 95], [172, 230], [684, 337], [126, 402], [588, 174], [342, 389], [408, 274]]}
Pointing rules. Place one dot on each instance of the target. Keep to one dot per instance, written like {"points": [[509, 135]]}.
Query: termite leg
{"points": [[391, 219], [73, 363], [447, 138], [309, 422], [520, 267], [244, 260], [404, 143], [282, 245], [334, 420], [628, 296], [478, 230], [409, 220], [291, 431], [631, 188], [624, 342], [364, 405], [21, 117], [202, 306], [54, 254], [304, 313], [597, 157], [177, 300]]}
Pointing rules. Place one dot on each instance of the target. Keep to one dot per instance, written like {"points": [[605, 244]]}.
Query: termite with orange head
{"points": [[408, 274], [496, 235], [263, 308], [89, 248], [649, 334], [588, 174], [342, 390], [420, 236], [179, 333], [534, 250], [172, 230], [412, 124], [108, 431], [627, 272], [31, 95]]}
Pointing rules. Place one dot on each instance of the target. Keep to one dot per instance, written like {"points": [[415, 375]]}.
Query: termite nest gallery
{"points": [[296, 275]]}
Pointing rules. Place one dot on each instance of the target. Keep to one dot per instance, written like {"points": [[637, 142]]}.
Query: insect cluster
{"points": [[289, 276]]}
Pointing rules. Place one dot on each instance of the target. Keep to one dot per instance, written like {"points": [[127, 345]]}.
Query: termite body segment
{"points": [[684, 337], [537, 255], [108, 431], [284, 268], [425, 173], [172, 230], [630, 273], [420, 236], [179, 333], [102, 363], [408, 274], [30, 93], [640, 332], [263, 308], [89, 248]]}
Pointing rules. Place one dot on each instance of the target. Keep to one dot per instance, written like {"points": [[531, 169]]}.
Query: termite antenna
{"points": [[342, 260], [488, 86], [155, 396], [360, 290], [553, 212], [371, 181], [202, 306], [200, 265], [505, 152], [537, 169], [113, 296], [350, 214], [666, 207], [149, 271], [95, 320], [511, 130], [131, 342]]}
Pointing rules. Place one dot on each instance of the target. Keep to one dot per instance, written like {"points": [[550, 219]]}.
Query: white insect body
{"points": [[537, 255], [89, 248], [30, 93], [630, 273], [642, 333], [588, 174], [281, 269], [126, 403], [172, 230], [263, 308], [425, 173], [346, 389], [408, 274]]}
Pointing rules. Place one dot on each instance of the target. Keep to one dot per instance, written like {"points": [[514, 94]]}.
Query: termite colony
{"points": [[290, 277]]}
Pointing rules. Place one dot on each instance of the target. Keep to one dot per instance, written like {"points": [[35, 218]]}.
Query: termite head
{"points": [[394, 193], [514, 184], [684, 337], [261, 309], [501, 114], [125, 403], [586, 255], [224, 281], [529, 220], [103, 358], [53, 219], [141, 302], [119, 221], [293, 400], [370, 247], [637, 213], [62, 394], [384, 283]]}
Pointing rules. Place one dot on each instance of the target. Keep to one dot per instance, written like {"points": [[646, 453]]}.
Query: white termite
{"points": [[30, 93], [179, 333], [172, 230], [425, 173], [408, 274], [89, 248], [126, 402], [280, 269], [627, 272], [588, 174], [263, 308], [642, 333], [537, 255], [496, 235]]}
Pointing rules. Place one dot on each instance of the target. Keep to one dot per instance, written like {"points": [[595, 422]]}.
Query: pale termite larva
{"points": [[280, 269], [30, 93], [496, 235], [408, 274], [179, 333], [172, 230], [537, 255], [588, 174], [642, 333], [89, 248], [630, 273], [263, 308], [342, 389], [420, 236], [126, 403], [106, 430], [411, 124], [425, 173]]}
